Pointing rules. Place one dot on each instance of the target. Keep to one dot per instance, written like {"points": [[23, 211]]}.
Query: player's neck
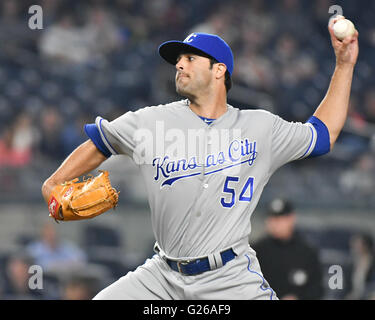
{"points": [[211, 107]]}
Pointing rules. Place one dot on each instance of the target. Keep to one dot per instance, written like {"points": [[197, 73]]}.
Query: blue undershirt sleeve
{"points": [[93, 133], [322, 145]]}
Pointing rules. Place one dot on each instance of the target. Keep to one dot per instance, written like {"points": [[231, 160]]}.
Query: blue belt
{"points": [[193, 267]]}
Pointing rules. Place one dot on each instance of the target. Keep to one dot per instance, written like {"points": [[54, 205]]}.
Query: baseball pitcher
{"points": [[205, 164]]}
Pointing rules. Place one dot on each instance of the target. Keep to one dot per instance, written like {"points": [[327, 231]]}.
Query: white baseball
{"points": [[343, 28]]}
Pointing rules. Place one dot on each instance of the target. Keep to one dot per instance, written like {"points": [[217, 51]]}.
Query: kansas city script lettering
{"points": [[239, 152]]}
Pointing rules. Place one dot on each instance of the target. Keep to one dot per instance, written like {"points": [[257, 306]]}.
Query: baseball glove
{"points": [[75, 200]]}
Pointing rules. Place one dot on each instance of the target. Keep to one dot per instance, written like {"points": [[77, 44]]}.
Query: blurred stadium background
{"points": [[100, 58]]}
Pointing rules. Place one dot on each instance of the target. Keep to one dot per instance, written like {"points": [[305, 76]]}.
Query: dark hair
{"points": [[228, 79], [367, 240]]}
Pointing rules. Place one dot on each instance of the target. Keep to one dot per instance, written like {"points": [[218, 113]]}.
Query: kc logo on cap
{"points": [[190, 37], [209, 44]]}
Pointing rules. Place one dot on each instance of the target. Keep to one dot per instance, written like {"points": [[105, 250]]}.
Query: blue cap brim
{"points": [[170, 50]]}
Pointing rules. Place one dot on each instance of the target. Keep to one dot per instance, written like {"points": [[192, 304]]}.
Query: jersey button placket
{"points": [[208, 142]]}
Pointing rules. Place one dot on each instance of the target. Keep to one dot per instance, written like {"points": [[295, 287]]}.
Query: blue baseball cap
{"points": [[209, 44]]}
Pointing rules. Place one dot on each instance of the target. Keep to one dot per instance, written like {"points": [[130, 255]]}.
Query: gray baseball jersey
{"points": [[203, 202], [204, 181]]}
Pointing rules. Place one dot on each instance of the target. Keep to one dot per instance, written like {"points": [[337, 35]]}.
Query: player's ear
{"points": [[220, 70]]}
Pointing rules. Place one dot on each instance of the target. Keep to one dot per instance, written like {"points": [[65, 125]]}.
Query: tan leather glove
{"points": [[75, 200]]}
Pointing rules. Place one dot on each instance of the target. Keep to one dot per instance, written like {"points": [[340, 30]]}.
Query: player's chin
{"points": [[183, 90]]}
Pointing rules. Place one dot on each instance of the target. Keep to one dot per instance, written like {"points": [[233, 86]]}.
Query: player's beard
{"points": [[185, 91], [191, 89]]}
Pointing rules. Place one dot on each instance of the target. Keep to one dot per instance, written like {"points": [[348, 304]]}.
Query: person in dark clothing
{"points": [[362, 273], [288, 262]]}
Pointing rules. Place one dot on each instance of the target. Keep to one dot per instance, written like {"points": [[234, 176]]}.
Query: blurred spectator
{"points": [[218, 23], [291, 63], [54, 254], [291, 14], [355, 113], [50, 134], [65, 42], [68, 42], [359, 180], [17, 142], [25, 136], [102, 31], [260, 22], [79, 288], [321, 10], [256, 71], [50, 11], [7, 155], [369, 105], [288, 263], [16, 284], [363, 270], [15, 36]]}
